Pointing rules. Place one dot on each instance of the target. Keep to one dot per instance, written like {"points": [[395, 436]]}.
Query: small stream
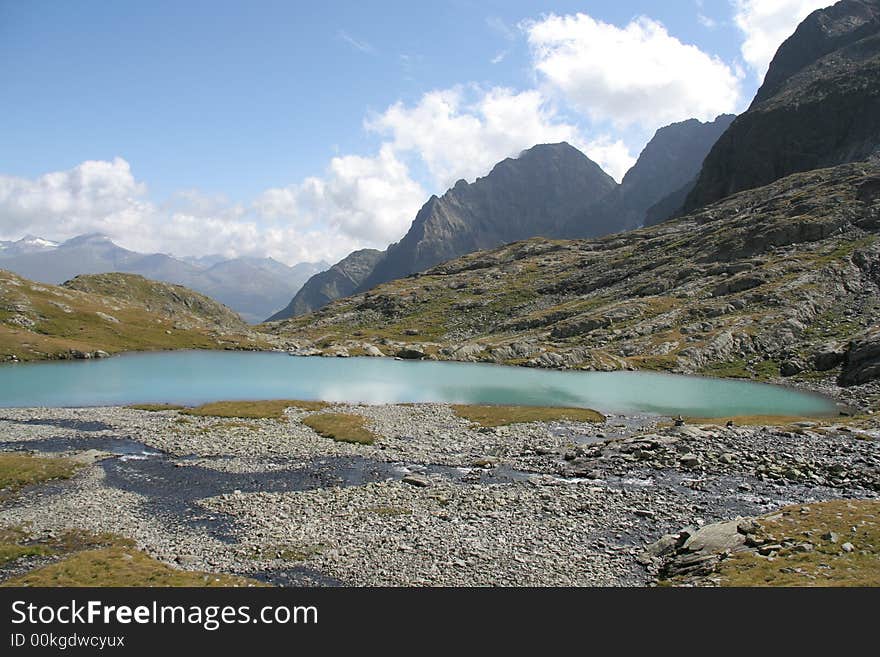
{"points": [[173, 486]]}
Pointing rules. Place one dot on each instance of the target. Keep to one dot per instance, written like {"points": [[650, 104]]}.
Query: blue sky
{"points": [[303, 130]]}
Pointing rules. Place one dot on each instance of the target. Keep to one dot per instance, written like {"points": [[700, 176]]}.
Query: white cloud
{"points": [[357, 44], [612, 155], [766, 24], [637, 74], [326, 220], [372, 200], [67, 199], [462, 132]]}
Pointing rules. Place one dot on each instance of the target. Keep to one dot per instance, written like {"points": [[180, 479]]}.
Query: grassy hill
{"points": [[111, 313]]}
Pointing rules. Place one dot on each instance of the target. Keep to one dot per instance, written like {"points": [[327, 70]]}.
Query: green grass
{"points": [[827, 564], [18, 470], [498, 416], [120, 566], [57, 332], [253, 410], [342, 427], [13, 546], [86, 559], [731, 369], [665, 363]]}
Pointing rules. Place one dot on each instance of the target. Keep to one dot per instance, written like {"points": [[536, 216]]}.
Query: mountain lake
{"points": [[195, 377]]}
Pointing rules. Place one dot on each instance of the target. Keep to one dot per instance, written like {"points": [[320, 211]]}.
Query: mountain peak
{"points": [[87, 238], [819, 106]]}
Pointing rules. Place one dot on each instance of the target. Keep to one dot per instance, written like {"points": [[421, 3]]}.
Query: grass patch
{"points": [[253, 410], [853, 521], [498, 416], [156, 408], [731, 369], [86, 559], [18, 470], [119, 566], [13, 546], [342, 427], [665, 363]]}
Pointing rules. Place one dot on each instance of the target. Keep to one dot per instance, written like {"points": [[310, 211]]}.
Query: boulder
{"points": [[827, 357], [862, 359], [412, 353], [791, 367], [372, 350], [716, 538]]}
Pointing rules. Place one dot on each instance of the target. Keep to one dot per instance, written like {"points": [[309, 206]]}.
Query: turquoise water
{"points": [[192, 377]]}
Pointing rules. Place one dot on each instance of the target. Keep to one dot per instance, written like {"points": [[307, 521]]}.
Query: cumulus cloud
{"points": [[636, 74], [93, 192], [371, 199], [463, 131], [612, 155], [766, 24], [105, 197]]}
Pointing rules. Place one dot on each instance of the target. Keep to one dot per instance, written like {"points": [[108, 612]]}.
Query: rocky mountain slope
{"points": [[669, 163], [94, 316], [780, 280], [533, 194], [253, 287], [818, 107], [339, 281], [551, 190]]}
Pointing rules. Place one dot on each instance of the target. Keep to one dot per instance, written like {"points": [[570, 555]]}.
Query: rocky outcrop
{"points": [[819, 106], [339, 281], [669, 163], [862, 359]]}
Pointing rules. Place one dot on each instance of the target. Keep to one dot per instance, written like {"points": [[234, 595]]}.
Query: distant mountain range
{"points": [[550, 190], [253, 287]]}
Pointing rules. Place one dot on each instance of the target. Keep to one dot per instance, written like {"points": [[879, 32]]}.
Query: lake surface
{"points": [[192, 377]]}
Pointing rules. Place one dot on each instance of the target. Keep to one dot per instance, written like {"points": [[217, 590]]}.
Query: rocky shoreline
{"points": [[434, 501]]}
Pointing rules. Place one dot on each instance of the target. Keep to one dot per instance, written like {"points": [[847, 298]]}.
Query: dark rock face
{"points": [[534, 194], [862, 359], [339, 281], [818, 107], [671, 161]]}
